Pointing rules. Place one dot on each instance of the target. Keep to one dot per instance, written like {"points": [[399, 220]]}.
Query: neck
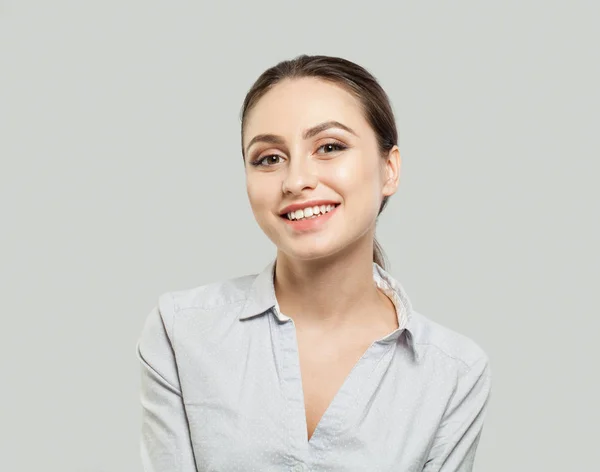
{"points": [[328, 293]]}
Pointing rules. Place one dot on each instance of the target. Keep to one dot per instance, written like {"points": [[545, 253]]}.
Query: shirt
{"points": [[221, 389]]}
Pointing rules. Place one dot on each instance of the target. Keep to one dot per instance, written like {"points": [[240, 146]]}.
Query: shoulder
{"points": [[436, 340], [181, 319], [210, 295], [207, 301]]}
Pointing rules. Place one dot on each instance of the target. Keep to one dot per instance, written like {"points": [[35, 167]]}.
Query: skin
{"points": [[323, 278]]}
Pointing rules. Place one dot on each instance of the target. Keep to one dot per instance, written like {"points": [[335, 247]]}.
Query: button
{"points": [[299, 468]]}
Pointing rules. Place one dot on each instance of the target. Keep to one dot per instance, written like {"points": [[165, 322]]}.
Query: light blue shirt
{"points": [[222, 391]]}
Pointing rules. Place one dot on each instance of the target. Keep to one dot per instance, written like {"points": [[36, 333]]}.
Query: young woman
{"points": [[318, 362]]}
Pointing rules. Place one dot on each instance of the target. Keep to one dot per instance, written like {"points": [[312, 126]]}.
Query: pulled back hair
{"points": [[353, 78]]}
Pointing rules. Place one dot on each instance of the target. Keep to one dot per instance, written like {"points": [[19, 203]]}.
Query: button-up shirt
{"points": [[222, 390]]}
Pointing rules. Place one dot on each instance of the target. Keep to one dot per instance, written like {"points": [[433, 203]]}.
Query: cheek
{"points": [[254, 196], [259, 194], [359, 184], [356, 175]]}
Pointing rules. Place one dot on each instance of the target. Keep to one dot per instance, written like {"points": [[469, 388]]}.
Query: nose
{"points": [[300, 175]]}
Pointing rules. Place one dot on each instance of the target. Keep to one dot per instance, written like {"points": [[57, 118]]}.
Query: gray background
{"points": [[121, 178]]}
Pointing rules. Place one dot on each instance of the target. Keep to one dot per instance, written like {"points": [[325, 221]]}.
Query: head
{"points": [[353, 162]]}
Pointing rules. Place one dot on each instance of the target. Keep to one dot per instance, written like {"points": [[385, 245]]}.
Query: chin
{"points": [[307, 251]]}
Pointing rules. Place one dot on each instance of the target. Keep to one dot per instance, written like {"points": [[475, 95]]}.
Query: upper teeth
{"points": [[310, 211]]}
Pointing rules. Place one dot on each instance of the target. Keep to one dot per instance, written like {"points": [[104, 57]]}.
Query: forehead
{"points": [[294, 105]]}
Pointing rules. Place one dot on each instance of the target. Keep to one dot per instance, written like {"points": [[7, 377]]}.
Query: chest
{"points": [[252, 400], [324, 369]]}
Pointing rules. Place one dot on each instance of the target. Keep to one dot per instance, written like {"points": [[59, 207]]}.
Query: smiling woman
{"points": [[332, 84], [319, 361]]}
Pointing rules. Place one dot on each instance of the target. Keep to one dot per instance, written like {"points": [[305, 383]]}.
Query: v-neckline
{"points": [[345, 389], [332, 405]]}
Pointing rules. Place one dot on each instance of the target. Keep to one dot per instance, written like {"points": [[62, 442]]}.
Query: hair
{"points": [[353, 78]]}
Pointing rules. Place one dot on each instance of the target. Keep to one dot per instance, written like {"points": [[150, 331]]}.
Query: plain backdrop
{"points": [[121, 178]]}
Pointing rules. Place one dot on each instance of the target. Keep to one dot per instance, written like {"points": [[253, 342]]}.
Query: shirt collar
{"points": [[261, 299]]}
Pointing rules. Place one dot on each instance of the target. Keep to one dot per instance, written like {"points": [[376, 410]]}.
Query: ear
{"points": [[391, 174]]}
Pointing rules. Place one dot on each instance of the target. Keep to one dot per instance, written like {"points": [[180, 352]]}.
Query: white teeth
{"points": [[310, 212]]}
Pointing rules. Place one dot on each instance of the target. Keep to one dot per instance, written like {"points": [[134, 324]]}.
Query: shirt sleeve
{"points": [[165, 444], [457, 437]]}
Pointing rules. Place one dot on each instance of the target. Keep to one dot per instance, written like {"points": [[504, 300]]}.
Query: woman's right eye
{"points": [[258, 162]]}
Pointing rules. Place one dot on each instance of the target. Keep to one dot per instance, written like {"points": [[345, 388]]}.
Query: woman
{"points": [[319, 362]]}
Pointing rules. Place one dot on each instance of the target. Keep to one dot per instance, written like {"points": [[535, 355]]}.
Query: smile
{"points": [[301, 222], [309, 212]]}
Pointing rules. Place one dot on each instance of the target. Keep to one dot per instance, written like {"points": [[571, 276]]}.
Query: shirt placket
{"points": [[286, 354]]}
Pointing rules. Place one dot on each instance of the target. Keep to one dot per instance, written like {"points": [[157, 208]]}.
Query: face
{"points": [[292, 159]]}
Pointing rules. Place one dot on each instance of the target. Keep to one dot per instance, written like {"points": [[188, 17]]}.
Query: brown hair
{"points": [[353, 78]]}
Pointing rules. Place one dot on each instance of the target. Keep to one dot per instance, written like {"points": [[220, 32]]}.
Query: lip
{"points": [[310, 224], [301, 206]]}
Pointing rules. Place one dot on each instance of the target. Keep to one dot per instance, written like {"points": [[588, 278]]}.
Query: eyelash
{"points": [[340, 146]]}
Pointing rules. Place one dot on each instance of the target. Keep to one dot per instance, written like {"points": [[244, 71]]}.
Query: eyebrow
{"points": [[309, 133]]}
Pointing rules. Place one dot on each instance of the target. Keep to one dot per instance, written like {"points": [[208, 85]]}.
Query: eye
{"points": [[332, 147], [258, 162]]}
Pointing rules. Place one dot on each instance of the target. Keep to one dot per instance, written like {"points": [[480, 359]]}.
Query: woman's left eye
{"points": [[331, 147]]}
